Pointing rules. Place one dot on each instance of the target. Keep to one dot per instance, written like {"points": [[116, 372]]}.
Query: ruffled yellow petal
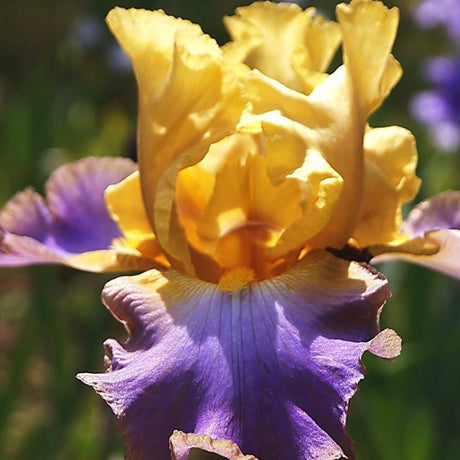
{"points": [[336, 110], [282, 41], [329, 121], [195, 185], [193, 190], [244, 195], [369, 30], [244, 168], [392, 149], [323, 187], [389, 181], [188, 99], [246, 213]]}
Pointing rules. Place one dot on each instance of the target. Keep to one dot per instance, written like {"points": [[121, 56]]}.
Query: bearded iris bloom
{"points": [[260, 195]]}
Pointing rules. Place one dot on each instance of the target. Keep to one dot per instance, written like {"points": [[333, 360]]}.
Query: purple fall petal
{"points": [[73, 220], [271, 368]]}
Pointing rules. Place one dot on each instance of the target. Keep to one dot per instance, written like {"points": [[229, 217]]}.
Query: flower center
{"points": [[235, 279], [246, 246]]}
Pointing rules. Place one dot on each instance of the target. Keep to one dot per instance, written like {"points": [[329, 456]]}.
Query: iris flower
{"points": [[260, 196]]}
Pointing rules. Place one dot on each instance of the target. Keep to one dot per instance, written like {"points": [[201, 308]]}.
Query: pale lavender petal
{"points": [[72, 220], [438, 213], [271, 368], [446, 260], [437, 220]]}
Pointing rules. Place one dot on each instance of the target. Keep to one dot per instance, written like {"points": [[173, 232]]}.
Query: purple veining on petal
{"points": [[437, 213], [271, 368], [72, 220]]}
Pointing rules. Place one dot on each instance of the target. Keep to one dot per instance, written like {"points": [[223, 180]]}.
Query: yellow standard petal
{"points": [[389, 181], [336, 110], [188, 99], [284, 42], [320, 185], [369, 30]]}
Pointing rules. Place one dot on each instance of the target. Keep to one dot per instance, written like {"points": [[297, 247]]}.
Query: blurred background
{"points": [[67, 91]]}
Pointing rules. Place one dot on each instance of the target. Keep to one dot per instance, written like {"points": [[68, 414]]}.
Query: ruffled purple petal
{"points": [[73, 219], [271, 368]]}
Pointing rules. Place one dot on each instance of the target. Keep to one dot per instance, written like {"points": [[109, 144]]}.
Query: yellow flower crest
{"points": [[252, 155]]}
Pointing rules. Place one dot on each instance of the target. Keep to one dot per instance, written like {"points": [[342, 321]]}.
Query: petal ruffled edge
{"points": [[182, 443], [284, 42], [291, 336], [368, 31]]}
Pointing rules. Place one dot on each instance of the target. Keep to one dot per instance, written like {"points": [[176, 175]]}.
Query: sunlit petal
{"points": [[369, 30], [267, 367], [283, 42], [389, 181], [124, 202], [180, 64]]}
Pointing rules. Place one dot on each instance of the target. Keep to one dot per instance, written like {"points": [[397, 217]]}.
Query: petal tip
{"points": [[181, 443], [387, 345]]}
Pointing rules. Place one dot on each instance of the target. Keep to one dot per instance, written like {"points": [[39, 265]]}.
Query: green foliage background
{"points": [[61, 101]]}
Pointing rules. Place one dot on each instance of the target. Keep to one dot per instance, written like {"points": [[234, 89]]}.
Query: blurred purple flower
{"points": [[88, 31], [439, 107], [118, 60], [445, 13]]}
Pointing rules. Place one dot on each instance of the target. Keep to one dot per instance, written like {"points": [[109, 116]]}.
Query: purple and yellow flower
{"points": [[260, 195]]}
